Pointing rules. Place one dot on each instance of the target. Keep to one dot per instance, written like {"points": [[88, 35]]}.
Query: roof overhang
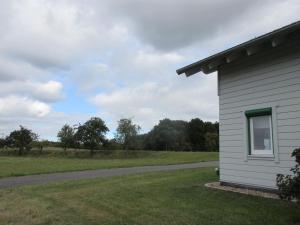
{"points": [[269, 40]]}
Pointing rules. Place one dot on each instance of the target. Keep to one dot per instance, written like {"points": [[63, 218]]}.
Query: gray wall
{"points": [[269, 79]]}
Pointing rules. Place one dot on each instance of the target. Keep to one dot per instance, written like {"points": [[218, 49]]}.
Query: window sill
{"points": [[261, 157]]}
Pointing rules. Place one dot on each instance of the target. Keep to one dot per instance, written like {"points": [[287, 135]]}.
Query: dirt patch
{"points": [[216, 185]]}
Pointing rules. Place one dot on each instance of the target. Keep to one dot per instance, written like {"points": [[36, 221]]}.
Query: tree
{"points": [[22, 139], [168, 135], [204, 136], [127, 132], [180, 135], [66, 137], [92, 133], [196, 133], [2, 142], [211, 141], [112, 144]]}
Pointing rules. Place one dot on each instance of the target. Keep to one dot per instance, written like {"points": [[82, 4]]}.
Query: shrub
{"points": [[289, 185], [217, 170]]}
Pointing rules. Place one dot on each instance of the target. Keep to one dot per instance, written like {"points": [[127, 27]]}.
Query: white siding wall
{"points": [[269, 79]]}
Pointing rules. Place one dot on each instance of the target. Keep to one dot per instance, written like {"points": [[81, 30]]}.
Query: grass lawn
{"points": [[173, 198], [25, 165]]}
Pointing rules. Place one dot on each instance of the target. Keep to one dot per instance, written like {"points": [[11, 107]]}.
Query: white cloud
{"points": [[151, 102], [49, 91], [22, 106], [46, 127], [45, 91]]}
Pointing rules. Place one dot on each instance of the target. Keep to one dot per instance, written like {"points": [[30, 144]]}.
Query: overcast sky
{"points": [[65, 61]]}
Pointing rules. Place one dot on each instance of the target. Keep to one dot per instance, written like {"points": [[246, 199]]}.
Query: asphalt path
{"points": [[11, 182]]}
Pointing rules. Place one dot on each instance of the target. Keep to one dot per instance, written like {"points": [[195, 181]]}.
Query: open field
{"points": [[54, 162], [175, 198]]}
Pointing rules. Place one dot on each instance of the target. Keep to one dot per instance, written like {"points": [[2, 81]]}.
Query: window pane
{"points": [[262, 133]]}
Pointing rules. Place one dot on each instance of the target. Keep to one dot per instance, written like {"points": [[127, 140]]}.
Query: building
{"points": [[259, 106]]}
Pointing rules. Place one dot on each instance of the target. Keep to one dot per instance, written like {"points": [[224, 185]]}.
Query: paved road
{"points": [[10, 182]]}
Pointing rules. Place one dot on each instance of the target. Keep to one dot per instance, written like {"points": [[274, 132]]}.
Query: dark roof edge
{"points": [[201, 65]]}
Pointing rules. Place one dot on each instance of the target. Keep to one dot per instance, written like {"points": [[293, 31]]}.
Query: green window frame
{"points": [[250, 114]]}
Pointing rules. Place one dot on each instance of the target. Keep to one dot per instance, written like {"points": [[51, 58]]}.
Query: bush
{"points": [[289, 185], [217, 170]]}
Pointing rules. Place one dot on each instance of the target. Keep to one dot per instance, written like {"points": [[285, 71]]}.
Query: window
{"points": [[260, 131]]}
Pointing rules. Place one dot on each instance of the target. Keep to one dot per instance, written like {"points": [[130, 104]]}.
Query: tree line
{"points": [[168, 135]]}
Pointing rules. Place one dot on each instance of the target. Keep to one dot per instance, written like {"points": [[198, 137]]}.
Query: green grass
{"points": [[173, 198], [25, 165]]}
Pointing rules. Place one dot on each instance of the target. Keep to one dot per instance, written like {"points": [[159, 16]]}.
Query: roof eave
{"points": [[212, 63]]}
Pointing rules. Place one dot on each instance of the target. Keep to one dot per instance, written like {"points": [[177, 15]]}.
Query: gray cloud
{"points": [[14, 70], [172, 25], [54, 34], [120, 55]]}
